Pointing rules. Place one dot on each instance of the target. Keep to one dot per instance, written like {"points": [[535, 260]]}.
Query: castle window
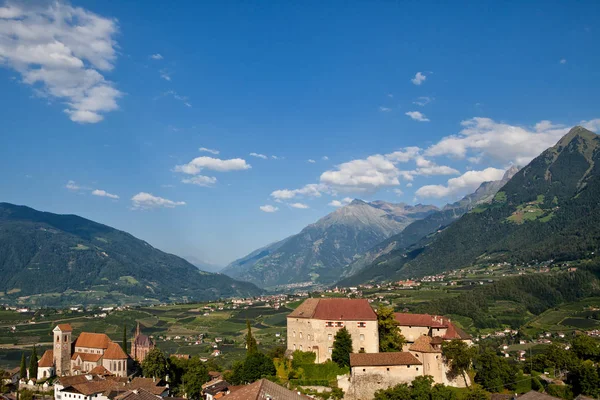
{"points": [[362, 337], [387, 369], [57, 339], [364, 370], [361, 324], [329, 324], [294, 347], [330, 337], [294, 334], [417, 368], [300, 335], [408, 366], [339, 324], [301, 348]]}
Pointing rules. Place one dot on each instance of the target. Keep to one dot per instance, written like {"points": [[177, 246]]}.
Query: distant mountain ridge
{"points": [[42, 252], [434, 221], [320, 251], [549, 210]]}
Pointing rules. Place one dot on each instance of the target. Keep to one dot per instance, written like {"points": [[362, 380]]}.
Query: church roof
{"points": [[90, 357], [47, 359], [143, 340], [93, 340], [64, 327], [335, 309], [100, 370], [114, 352], [382, 359]]}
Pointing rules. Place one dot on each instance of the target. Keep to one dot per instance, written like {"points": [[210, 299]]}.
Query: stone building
{"points": [[414, 326], [313, 325], [141, 345], [89, 351]]}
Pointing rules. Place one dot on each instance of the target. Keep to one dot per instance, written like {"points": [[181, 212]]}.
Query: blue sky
{"points": [[405, 102]]}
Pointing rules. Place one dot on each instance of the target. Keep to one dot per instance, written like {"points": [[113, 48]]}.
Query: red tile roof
{"points": [[100, 370], [382, 359], [147, 384], [47, 359], [335, 309], [114, 352], [92, 340], [90, 357], [65, 327], [263, 390], [454, 332], [423, 345], [431, 321]]}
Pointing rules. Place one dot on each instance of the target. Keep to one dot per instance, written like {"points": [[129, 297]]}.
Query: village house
{"points": [[414, 326], [313, 325]]}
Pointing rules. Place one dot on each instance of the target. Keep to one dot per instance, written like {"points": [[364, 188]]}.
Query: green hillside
{"points": [[47, 253], [548, 211]]}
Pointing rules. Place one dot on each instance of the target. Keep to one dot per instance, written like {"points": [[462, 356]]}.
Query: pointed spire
{"points": [[137, 332]]}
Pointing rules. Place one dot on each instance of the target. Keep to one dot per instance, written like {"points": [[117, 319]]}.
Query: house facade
{"points": [[313, 325]]}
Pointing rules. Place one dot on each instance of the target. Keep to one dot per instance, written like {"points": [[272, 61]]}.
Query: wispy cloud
{"points": [[145, 201], [165, 74], [258, 155], [324, 158], [207, 150], [301, 206], [423, 101], [71, 185], [384, 109], [200, 180], [277, 157], [340, 203], [563, 61], [103, 193], [418, 79], [269, 208], [215, 164], [310, 160], [62, 52], [156, 56], [417, 116]]}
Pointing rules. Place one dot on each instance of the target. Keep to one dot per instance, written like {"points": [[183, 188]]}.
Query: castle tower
{"points": [[62, 349]]}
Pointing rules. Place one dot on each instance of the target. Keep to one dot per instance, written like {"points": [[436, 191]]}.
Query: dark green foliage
{"points": [[421, 388], [303, 357], [586, 348], [495, 373], [390, 338], [254, 367], [155, 364], [459, 357], [276, 352], [195, 376], [80, 254], [560, 391], [33, 364], [342, 347], [23, 370], [563, 183], [534, 293], [251, 346], [585, 379], [476, 394]]}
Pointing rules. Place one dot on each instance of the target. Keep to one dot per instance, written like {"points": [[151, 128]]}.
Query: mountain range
{"points": [[45, 253], [321, 251], [548, 211]]}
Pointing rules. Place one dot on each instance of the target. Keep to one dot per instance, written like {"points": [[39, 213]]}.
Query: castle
{"points": [[313, 325], [92, 353]]}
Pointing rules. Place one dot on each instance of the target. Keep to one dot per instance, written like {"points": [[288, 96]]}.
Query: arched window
{"points": [[57, 339]]}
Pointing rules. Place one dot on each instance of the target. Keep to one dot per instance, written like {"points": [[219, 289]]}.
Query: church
{"points": [[92, 353]]}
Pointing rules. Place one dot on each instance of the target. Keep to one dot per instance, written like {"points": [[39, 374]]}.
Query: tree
{"points": [[494, 373], [124, 343], [390, 338], [342, 347], [421, 387], [441, 392], [155, 364], [586, 347], [251, 346], [254, 367], [193, 379], [398, 392], [459, 357], [33, 364], [476, 393], [585, 379], [23, 367]]}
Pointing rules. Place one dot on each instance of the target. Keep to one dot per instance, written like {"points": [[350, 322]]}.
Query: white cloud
{"points": [[310, 160], [268, 208], [103, 193], [409, 184], [206, 150], [324, 158], [199, 163], [299, 205], [165, 74], [60, 50], [384, 109], [563, 61], [398, 192], [417, 116], [364, 174], [340, 203], [71, 185], [466, 183], [404, 155], [418, 79], [200, 180], [156, 56], [277, 157], [310, 190], [500, 142], [144, 201], [423, 101], [258, 155], [428, 168]]}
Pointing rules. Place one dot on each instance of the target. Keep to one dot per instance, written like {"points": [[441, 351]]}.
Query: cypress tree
{"points": [[251, 346], [342, 347], [33, 364], [124, 344], [23, 366]]}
